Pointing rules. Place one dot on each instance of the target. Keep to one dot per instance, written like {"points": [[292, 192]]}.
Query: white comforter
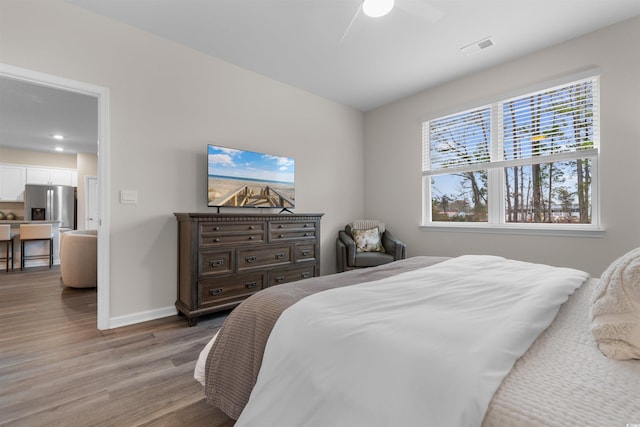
{"points": [[424, 348]]}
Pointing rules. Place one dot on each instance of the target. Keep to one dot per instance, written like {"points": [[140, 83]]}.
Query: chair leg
{"points": [[7, 258], [23, 256]]}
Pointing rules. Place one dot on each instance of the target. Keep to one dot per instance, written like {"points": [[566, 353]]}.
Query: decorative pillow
{"points": [[367, 240], [615, 308]]}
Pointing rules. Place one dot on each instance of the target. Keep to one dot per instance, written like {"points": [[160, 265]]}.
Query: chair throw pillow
{"points": [[615, 308], [367, 240]]}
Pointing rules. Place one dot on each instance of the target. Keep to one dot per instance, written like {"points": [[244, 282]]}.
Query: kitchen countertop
{"points": [[25, 221]]}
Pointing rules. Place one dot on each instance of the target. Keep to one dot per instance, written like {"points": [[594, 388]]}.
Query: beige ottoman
{"points": [[79, 258]]}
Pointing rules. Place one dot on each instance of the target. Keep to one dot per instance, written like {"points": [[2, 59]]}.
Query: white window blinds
{"points": [[557, 120], [558, 123], [458, 140]]}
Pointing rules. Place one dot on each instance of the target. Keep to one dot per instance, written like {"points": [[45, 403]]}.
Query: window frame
{"points": [[496, 202]]}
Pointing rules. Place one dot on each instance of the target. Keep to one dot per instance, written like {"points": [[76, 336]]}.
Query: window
{"points": [[530, 159]]}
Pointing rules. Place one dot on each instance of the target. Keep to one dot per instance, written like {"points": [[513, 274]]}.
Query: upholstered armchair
{"points": [[366, 243]]}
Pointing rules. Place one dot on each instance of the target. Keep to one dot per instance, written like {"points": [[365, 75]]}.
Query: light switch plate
{"points": [[129, 197]]}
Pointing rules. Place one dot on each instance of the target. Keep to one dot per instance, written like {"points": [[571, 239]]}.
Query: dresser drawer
{"points": [[264, 256], [231, 227], [278, 277], [213, 234], [292, 230], [284, 235], [230, 289], [226, 239], [215, 262], [305, 252]]}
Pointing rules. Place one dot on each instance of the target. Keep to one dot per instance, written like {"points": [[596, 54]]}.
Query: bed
{"points": [[556, 374]]}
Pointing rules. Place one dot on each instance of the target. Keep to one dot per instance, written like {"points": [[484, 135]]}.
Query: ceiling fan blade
{"points": [[355, 15], [421, 9]]}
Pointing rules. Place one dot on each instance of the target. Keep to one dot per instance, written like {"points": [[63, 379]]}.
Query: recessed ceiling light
{"points": [[58, 137], [59, 149]]}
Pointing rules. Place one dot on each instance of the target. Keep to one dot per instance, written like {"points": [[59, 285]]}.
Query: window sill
{"points": [[529, 229]]}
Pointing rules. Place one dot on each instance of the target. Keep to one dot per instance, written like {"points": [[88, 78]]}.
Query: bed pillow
{"points": [[367, 240], [615, 308]]}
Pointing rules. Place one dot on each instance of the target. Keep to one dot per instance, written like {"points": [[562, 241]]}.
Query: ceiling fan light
{"points": [[377, 8]]}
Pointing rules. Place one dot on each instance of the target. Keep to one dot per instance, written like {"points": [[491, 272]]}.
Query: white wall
{"points": [[166, 103], [393, 175]]}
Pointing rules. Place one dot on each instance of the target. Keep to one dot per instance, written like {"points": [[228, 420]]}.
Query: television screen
{"points": [[241, 178]]}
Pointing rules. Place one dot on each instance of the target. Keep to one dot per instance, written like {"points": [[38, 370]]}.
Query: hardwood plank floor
{"points": [[58, 369]]}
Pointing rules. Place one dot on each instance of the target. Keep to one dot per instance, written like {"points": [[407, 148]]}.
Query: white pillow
{"points": [[615, 308]]}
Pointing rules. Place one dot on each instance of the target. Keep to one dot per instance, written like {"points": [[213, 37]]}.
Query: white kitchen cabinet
{"points": [[51, 176], [37, 175], [12, 180], [62, 177]]}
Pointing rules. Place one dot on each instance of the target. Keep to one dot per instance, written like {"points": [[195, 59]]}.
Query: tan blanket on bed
{"points": [[234, 361]]}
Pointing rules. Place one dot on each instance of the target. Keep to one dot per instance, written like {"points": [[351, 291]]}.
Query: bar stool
{"points": [[35, 232], [7, 239]]}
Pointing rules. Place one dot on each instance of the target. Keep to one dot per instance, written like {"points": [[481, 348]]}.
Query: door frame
{"points": [[102, 95]]}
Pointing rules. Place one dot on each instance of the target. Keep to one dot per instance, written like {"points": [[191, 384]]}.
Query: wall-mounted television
{"points": [[241, 178]]}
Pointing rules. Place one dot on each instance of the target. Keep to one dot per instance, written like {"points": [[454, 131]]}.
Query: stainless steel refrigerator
{"points": [[50, 202]]}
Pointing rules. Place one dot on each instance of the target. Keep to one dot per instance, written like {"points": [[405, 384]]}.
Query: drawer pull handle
{"points": [[251, 285], [216, 240], [307, 234], [251, 237], [280, 279], [216, 291], [280, 236], [306, 225], [305, 274], [216, 263], [281, 226], [280, 255], [216, 228], [306, 252], [251, 259]]}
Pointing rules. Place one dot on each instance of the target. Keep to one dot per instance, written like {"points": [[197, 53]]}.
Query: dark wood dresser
{"points": [[224, 258]]}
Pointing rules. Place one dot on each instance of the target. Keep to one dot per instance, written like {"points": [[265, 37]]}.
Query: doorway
{"points": [[102, 190]]}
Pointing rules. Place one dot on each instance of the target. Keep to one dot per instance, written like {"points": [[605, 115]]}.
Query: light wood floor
{"points": [[57, 369]]}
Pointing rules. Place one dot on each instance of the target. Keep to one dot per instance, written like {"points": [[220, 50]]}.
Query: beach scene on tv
{"points": [[245, 178]]}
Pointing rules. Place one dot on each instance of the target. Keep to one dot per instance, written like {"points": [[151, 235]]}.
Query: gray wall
{"points": [[166, 103], [396, 196]]}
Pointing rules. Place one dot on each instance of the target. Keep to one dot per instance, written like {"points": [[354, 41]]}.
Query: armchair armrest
{"points": [[394, 246], [350, 246]]}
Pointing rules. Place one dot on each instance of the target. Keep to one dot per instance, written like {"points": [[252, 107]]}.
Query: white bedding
{"points": [[427, 347], [199, 371], [564, 379]]}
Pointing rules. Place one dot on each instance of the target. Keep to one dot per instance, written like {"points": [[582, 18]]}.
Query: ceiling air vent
{"points": [[476, 47]]}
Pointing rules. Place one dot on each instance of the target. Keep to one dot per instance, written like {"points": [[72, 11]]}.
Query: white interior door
{"points": [[91, 222]]}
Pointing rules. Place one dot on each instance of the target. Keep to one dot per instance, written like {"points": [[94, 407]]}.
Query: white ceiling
{"points": [[298, 42], [381, 59], [31, 114]]}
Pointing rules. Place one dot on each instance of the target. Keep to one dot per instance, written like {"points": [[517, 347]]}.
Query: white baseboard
{"points": [[143, 316]]}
